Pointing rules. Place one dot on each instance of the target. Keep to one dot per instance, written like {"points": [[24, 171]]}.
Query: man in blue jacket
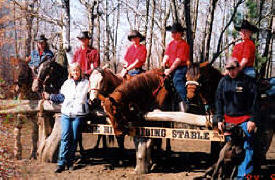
{"points": [[236, 104]]}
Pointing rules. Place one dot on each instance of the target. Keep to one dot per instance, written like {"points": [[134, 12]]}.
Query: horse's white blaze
{"points": [[96, 80]]}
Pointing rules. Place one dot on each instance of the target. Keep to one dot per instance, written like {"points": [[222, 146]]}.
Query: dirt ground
{"points": [[187, 159]]}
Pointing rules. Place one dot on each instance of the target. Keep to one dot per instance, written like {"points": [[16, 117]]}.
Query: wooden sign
{"points": [[158, 132]]}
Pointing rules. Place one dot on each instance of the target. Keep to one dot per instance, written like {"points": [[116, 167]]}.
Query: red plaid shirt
{"points": [[85, 57], [136, 53], [245, 49], [177, 49]]}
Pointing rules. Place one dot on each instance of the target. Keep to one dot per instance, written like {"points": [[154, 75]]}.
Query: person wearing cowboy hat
{"points": [[176, 58], [86, 55], [135, 56], [41, 54], [245, 51], [235, 103]]}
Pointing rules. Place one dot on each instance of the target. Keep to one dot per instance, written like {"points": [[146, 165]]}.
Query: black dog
{"points": [[231, 155]]}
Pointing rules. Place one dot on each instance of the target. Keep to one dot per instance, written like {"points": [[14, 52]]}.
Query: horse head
{"points": [[44, 70], [192, 80], [102, 81], [96, 84]]}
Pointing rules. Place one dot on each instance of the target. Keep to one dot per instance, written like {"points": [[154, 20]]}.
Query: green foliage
{"points": [[252, 9], [261, 60]]}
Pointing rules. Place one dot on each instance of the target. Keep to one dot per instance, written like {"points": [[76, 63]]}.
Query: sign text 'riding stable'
{"points": [[155, 132]]}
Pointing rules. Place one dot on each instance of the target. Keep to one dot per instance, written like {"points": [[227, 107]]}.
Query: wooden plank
{"points": [[159, 132], [188, 118], [26, 106]]}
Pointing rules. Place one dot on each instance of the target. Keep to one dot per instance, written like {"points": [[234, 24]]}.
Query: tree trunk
{"points": [[66, 29], [210, 26], [97, 24], [189, 28], [163, 31], [153, 3], [174, 11], [146, 18], [107, 36], [267, 45], [195, 17]]}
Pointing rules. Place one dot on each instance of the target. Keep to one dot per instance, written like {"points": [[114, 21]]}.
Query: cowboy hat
{"points": [[83, 35], [41, 38], [135, 33], [246, 25], [176, 27]]}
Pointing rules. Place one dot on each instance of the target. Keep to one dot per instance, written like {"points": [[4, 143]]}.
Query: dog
{"points": [[230, 156]]}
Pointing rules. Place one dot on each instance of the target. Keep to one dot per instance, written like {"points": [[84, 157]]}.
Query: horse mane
{"points": [[138, 89]]}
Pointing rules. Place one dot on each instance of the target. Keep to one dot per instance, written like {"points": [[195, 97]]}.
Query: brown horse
{"points": [[202, 82], [103, 81], [134, 98]]}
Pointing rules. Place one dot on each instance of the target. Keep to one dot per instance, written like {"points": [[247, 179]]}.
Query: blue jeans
{"points": [[179, 81], [134, 72], [249, 71], [69, 138], [246, 167]]}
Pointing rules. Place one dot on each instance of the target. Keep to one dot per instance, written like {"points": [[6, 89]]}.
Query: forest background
{"points": [[210, 29]]}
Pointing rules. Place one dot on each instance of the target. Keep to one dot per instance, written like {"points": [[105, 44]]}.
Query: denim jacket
{"points": [[36, 59]]}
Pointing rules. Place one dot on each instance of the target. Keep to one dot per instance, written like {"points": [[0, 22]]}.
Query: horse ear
{"points": [[101, 97]]}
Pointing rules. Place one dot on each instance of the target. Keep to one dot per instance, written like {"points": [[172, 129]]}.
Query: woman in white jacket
{"points": [[74, 108]]}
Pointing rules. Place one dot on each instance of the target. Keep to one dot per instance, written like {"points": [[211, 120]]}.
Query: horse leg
{"points": [[17, 135]]}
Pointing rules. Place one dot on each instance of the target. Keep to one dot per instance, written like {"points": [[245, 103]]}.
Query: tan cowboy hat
{"points": [[41, 38], [176, 27], [246, 25], [135, 33]]}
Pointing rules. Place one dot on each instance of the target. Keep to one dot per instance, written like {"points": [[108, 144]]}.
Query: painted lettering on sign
{"points": [[156, 132], [190, 134], [151, 132]]}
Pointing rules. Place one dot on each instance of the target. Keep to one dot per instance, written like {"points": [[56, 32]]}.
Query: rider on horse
{"points": [[135, 56], [86, 56], [41, 54], [245, 51], [177, 59]]}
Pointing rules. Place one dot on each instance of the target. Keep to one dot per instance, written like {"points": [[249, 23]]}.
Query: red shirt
{"points": [[177, 49], [136, 53], [245, 49], [85, 57], [236, 119]]}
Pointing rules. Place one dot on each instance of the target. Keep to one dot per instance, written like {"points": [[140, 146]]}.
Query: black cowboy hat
{"points": [[83, 35], [41, 38], [246, 25], [135, 33], [176, 27]]}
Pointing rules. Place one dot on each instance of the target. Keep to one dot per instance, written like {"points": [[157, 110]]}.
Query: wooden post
{"points": [[143, 156], [48, 146], [17, 136]]}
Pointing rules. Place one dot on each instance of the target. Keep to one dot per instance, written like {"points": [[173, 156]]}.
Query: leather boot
{"points": [[59, 169]]}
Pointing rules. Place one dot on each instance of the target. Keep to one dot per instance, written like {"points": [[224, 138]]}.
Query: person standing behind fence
{"points": [[236, 104], [86, 56], [41, 54], [176, 58], [74, 108], [245, 51], [135, 56]]}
